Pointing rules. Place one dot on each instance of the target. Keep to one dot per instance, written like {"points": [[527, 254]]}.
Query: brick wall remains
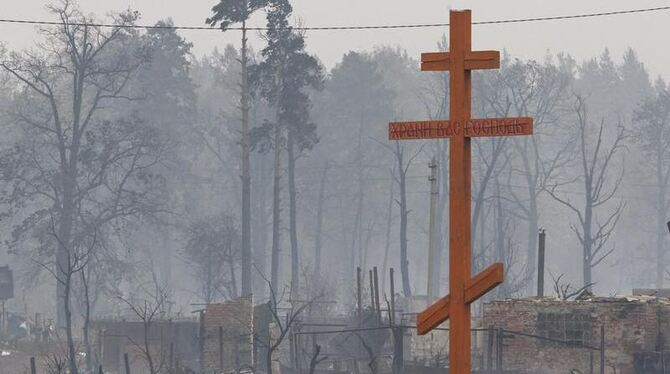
{"points": [[631, 325], [228, 343]]}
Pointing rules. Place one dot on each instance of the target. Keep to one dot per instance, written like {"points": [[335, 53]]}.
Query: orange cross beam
{"points": [[474, 60], [477, 287]]}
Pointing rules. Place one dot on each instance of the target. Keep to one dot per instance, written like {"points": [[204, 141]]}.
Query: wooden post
{"points": [[33, 368], [221, 348], [540, 264], [315, 345], [663, 370], [126, 362], [292, 353], [377, 303], [297, 352], [171, 363], [489, 352], [372, 291], [201, 340], [101, 346], [398, 350], [359, 296], [602, 349], [392, 311], [359, 301], [100, 370], [499, 351], [294, 347]]}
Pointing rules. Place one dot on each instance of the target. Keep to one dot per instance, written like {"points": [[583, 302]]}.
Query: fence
{"points": [[391, 352], [489, 356]]}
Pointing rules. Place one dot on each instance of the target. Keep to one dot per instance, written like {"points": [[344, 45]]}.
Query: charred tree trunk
{"points": [[209, 286], [529, 208], [402, 181], [69, 167], [356, 232], [501, 253], [63, 252], [497, 146], [268, 363], [293, 230], [355, 235], [276, 219], [233, 280], [261, 228], [387, 243], [588, 244], [533, 229], [87, 321], [319, 221], [72, 353], [147, 348]]}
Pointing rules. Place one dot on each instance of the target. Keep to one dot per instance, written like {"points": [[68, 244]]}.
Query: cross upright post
{"points": [[460, 256], [463, 288]]}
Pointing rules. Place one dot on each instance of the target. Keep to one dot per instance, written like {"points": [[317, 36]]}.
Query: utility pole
{"points": [[540, 263], [246, 168], [433, 255]]}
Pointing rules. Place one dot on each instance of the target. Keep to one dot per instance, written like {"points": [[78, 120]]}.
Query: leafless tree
{"points": [[80, 157], [371, 351], [387, 234], [56, 364], [402, 167], [213, 250], [565, 291], [76, 261], [537, 90], [315, 359], [282, 323], [507, 248], [595, 164], [148, 310], [365, 340]]}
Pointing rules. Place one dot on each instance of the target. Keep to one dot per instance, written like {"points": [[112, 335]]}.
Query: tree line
{"points": [[128, 161]]}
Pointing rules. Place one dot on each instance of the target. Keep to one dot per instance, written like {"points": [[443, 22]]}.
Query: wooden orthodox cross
{"points": [[463, 288]]}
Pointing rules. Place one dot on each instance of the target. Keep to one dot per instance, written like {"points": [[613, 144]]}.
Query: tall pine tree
{"points": [[226, 13], [283, 78]]}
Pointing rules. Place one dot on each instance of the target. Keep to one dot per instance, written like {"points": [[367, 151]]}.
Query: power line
{"points": [[575, 16], [339, 28]]}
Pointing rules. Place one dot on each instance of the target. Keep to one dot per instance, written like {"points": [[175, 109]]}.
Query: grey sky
{"points": [[647, 33]]}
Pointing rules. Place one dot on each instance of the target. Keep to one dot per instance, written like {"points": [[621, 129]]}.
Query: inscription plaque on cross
{"points": [[463, 288]]}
